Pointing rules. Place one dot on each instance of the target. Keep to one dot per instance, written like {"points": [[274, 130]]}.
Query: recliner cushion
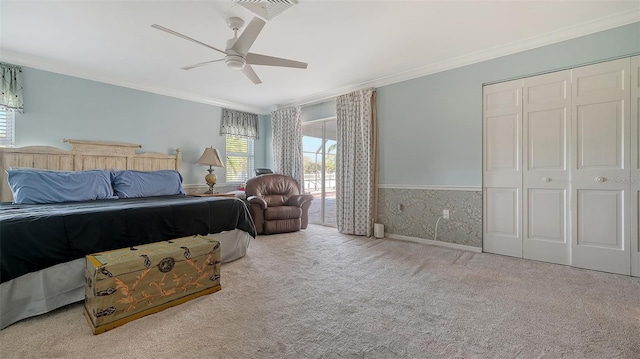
{"points": [[275, 199], [282, 226], [282, 212], [272, 185]]}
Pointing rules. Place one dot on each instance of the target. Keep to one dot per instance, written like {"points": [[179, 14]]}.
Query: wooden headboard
{"points": [[85, 155]]}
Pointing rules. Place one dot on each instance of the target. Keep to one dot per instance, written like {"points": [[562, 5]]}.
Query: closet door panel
{"points": [[547, 101], [546, 214], [502, 143], [600, 177], [547, 135], [601, 234], [635, 165], [599, 216], [600, 136], [503, 206], [502, 174]]}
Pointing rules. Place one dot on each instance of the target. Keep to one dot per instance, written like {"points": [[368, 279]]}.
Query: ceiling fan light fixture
{"points": [[235, 62]]}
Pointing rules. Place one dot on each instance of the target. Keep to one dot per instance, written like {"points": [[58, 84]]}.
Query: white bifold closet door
{"points": [[560, 182], [601, 173], [635, 165], [526, 144], [502, 175], [545, 185]]}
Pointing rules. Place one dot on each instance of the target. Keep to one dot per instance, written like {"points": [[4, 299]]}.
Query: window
{"points": [[7, 133], [239, 158]]}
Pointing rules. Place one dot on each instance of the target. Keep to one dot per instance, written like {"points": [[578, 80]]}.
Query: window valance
{"points": [[11, 88], [241, 124]]}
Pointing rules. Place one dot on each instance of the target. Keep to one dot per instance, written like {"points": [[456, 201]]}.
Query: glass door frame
{"points": [[323, 195]]}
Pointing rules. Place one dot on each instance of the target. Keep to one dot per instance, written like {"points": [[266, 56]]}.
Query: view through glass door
{"points": [[319, 143]]}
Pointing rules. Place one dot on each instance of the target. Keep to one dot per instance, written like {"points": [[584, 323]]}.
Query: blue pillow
{"points": [[132, 184], [33, 186]]}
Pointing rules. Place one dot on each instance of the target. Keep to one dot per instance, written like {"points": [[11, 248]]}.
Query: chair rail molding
{"points": [[431, 187]]}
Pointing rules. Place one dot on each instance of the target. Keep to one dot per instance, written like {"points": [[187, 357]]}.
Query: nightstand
{"points": [[230, 195]]}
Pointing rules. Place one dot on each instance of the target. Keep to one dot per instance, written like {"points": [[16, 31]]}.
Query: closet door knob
{"points": [[546, 179], [600, 179]]}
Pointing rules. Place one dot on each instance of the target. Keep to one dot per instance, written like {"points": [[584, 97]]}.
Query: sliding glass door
{"points": [[319, 143]]}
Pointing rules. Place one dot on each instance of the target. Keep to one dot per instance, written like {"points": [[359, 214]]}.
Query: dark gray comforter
{"points": [[34, 237]]}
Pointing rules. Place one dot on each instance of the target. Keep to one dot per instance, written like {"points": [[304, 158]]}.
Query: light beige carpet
{"points": [[319, 294]]}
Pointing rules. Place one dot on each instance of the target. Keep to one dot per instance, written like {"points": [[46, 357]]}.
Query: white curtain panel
{"points": [[355, 163], [287, 143]]}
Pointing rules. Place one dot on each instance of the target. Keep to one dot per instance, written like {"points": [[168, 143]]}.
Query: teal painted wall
{"points": [[59, 106], [430, 128]]}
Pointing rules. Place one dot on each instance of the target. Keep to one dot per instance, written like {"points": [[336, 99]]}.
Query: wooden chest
{"points": [[125, 284]]}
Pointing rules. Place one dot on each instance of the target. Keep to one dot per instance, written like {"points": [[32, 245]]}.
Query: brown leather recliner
{"points": [[276, 204]]}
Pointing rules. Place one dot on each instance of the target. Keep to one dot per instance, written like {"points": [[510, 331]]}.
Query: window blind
{"points": [[7, 133], [240, 158]]}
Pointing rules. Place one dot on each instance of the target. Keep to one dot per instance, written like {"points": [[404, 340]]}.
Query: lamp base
{"points": [[211, 180], [211, 191]]}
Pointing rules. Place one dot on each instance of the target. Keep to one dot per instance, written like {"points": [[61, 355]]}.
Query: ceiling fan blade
{"points": [[156, 26], [201, 64], [248, 71], [248, 36], [257, 59]]}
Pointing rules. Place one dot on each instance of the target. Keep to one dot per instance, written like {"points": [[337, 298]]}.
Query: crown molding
{"points": [[586, 28], [568, 33], [46, 65]]}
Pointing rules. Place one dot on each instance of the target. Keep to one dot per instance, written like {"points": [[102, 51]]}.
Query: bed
{"points": [[42, 246]]}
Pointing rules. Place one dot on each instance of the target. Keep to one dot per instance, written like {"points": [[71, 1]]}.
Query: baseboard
{"points": [[435, 243]]}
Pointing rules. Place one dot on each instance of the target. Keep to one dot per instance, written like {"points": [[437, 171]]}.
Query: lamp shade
{"points": [[210, 158]]}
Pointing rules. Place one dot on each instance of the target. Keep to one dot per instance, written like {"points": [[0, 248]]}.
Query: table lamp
{"points": [[210, 158]]}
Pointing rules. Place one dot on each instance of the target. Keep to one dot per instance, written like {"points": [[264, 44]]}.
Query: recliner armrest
{"points": [[299, 200], [257, 200]]}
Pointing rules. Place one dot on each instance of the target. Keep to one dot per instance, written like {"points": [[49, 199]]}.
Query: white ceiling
{"points": [[348, 44]]}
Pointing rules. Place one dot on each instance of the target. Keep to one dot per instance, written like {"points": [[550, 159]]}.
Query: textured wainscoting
{"points": [[421, 208]]}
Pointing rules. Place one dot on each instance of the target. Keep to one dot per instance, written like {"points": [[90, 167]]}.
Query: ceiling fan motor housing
{"points": [[235, 62], [233, 59]]}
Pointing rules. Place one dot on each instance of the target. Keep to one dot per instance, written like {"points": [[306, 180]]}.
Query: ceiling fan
{"points": [[237, 55]]}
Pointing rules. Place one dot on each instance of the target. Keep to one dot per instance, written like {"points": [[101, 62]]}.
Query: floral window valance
{"points": [[11, 87], [241, 124]]}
